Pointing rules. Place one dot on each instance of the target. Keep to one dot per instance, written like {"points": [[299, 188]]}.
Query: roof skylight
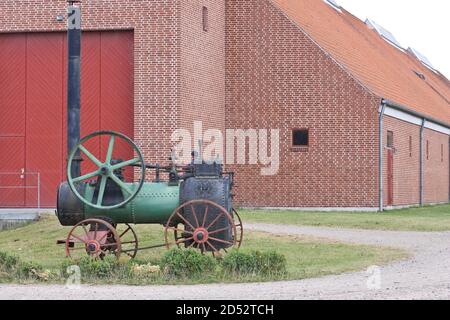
{"points": [[383, 33], [422, 58], [333, 4]]}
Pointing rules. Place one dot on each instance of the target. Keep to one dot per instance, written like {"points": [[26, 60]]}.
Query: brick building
{"points": [[346, 98]]}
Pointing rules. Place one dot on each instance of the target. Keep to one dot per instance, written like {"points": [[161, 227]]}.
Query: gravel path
{"points": [[425, 276]]}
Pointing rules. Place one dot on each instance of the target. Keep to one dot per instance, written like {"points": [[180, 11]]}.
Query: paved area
{"points": [[425, 276]]}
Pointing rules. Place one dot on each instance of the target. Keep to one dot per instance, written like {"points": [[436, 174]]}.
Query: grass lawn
{"points": [[306, 257], [429, 218]]}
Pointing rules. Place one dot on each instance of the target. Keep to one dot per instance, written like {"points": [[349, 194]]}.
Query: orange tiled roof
{"points": [[382, 68]]}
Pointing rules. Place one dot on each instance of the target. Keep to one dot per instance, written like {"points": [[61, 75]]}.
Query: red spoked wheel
{"points": [[239, 228], [94, 237], [205, 225]]}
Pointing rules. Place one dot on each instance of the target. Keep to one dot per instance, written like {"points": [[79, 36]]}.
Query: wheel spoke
{"points": [[109, 244], [103, 237], [126, 230], [176, 229], [214, 221], [205, 215], [195, 216], [218, 230], [95, 231], [78, 238], [110, 149], [192, 243], [220, 240], [85, 231], [90, 156], [129, 242], [86, 176], [101, 192], [124, 164], [209, 243], [187, 222], [185, 239], [120, 183]]}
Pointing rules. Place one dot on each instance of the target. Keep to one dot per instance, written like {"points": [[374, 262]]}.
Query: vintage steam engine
{"points": [[105, 194]]}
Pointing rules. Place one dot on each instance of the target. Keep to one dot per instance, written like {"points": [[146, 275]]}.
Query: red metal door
{"points": [[12, 123], [33, 102], [390, 177], [44, 114]]}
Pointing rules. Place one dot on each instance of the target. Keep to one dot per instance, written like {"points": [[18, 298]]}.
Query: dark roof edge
{"points": [[410, 111]]}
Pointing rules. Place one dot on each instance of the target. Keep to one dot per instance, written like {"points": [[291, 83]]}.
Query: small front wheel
{"points": [[93, 237]]}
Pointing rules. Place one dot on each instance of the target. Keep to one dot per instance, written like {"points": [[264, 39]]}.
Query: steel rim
{"points": [[106, 170], [202, 236], [94, 237], [239, 228], [129, 241]]}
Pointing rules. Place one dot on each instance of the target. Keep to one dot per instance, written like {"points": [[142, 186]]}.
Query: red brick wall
{"points": [[436, 184], [406, 168], [407, 164], [156, 48], [202, 64], [278, 78]]}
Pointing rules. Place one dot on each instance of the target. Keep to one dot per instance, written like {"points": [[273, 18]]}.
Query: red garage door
{"points": [[33, 70]]}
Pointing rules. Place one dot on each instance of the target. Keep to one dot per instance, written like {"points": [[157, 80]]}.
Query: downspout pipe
{"points": [[380, 156], [73, 81], [421, 163]]}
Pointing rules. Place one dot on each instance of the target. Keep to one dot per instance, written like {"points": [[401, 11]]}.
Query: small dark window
{"points": [[390, 139], [428, 150], [410, 146], [300, 137], [205, 19], [442, 153]]}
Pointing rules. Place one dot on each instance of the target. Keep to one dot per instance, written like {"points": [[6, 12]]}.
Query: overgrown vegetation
{"points": [[187, 263], [428, 218], [255, 262], [12, 267], [263, 257], [180, 264]]}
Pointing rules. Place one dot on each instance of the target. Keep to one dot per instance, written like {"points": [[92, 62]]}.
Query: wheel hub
{"points": [[200, 235], [104, 170], [92, 247]]}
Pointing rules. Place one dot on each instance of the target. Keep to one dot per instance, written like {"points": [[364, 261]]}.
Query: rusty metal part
{"points": [[239, 228], [198, 233], [94, 237], [129, 241]]}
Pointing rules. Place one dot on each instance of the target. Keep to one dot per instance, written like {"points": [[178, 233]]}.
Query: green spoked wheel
{"points": [[106, 171]]}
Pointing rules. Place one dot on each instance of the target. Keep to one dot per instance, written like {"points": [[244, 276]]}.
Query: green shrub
{"points": [[254, 262], [15, 267], [101, 268], [187, 263], [7, 261]]}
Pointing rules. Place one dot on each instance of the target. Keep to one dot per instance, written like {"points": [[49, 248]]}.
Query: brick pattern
{"points": [[406, 175], [278, 78], [253, 68], [436, 180], [156, 48], [202, 65], [407, 164]]}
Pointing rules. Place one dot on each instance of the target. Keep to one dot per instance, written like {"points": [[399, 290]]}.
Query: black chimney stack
{"points": [[73, 81]]}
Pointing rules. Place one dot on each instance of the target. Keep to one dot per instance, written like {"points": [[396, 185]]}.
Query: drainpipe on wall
{"points": [[380, 156], [421, 155]]}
